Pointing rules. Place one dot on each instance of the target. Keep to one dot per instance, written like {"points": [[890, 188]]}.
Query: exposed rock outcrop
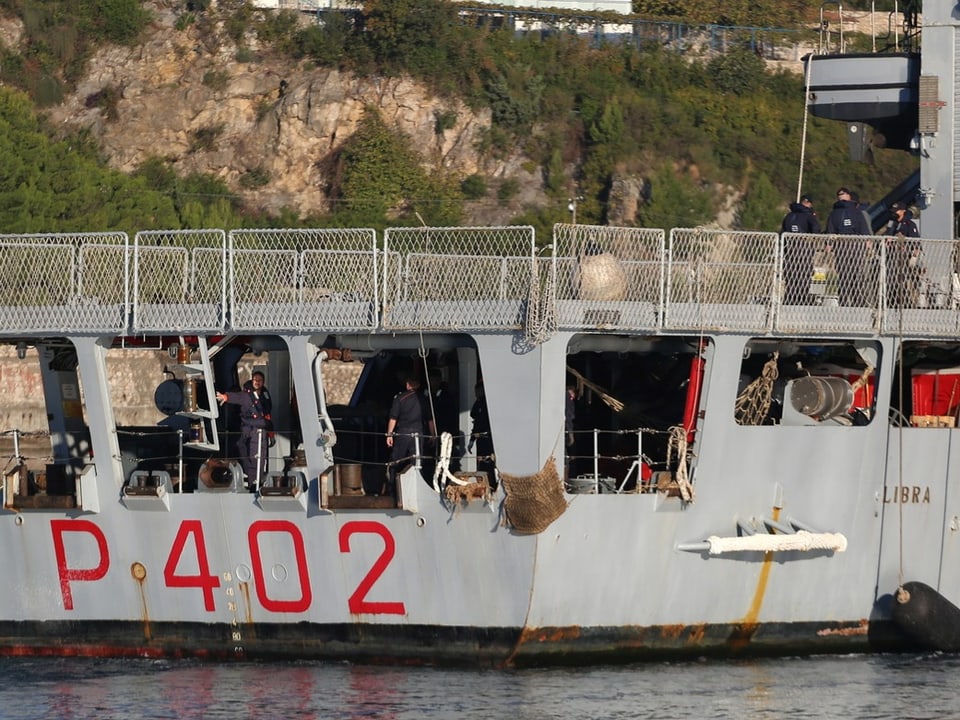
{"points": [[270, 114]]}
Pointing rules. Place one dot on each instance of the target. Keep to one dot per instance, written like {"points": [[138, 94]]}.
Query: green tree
{"points": [[750, 13], [675, 201], [325, 44], [280, 30], [382, 177], [739, 72], [411, 34], [608, 128], [762, 207], [58, 186], [119, 21]]}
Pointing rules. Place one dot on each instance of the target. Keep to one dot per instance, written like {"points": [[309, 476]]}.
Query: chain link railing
{"points": [[922, 286], [179, 280], [457, 278], [720, 280], [64, 282], [830, 283], [607, 277], [485, 278], [315, 279]]}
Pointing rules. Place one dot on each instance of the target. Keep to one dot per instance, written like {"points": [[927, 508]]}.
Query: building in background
{"points": [[619, 6]]}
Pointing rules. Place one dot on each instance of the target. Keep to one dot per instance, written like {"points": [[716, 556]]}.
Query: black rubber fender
{"points": [[927, 617]]}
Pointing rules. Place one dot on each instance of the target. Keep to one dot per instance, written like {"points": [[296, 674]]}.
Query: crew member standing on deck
{"points": [[904, 266], [409, 416], [255, 425], [798, 252], [847, 219]]}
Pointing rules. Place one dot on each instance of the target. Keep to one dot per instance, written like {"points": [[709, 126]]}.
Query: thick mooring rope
{"points": [[442, 470], [582, 382], [678, 444], [762, 542]]}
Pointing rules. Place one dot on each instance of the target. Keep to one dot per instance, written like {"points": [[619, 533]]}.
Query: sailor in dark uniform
{"points": [[409, 417], [903, 251], [798, 252], [255, 424], [850, 256]]}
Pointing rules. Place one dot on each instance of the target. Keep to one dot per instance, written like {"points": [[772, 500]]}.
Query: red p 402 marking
{"points": [[203, 579], [68, 574], [207, 582], [358, 603], [253, 537]]}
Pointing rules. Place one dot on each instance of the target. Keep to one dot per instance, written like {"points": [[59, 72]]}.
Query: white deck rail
{"points": [[587, 278]]}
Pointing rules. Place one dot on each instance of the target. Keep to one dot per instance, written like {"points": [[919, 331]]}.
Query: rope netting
{"points": [[533, 501], [753, 403]]}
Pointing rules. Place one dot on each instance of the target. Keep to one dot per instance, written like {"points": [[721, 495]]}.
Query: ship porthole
{"points": [[243, 573], [18, 520], [279, 572], [421, 522]]}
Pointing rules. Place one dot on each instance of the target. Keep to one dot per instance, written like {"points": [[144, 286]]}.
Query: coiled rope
{"points": [[442, 470], [677, 443]]}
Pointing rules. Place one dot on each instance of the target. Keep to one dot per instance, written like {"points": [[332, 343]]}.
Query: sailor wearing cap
{"points": [[798, 251], [905, 272], [901, 221], [847, 219]]}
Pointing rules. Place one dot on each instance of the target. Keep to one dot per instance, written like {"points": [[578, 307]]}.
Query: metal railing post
{"points": [[180, 461]]}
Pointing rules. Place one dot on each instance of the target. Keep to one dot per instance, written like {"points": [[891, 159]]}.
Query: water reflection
{"points": [[849, 687]]}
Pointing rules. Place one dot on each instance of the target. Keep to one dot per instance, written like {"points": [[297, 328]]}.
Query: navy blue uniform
{"points": [[904, 269], [847, 219], [800, 219], [410, 411], [255, 409], [798, 254]]}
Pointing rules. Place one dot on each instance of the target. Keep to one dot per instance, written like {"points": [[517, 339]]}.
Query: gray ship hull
{"points": [[641, 443]]}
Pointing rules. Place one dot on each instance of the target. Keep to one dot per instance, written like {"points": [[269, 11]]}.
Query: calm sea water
{"points": [[890, 686]]}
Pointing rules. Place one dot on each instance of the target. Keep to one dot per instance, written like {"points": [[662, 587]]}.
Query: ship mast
{"points": [[937, 121]]}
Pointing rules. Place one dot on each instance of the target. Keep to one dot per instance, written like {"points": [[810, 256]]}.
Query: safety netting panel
{"points": [[64, 283], [607, 277], [469, 278], [921, 286], [830, 284], [179, 281], [720, 280], [306, 279]]}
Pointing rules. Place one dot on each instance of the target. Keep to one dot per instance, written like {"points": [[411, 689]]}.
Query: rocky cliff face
{"points": [[282, 119], [271, 115]]}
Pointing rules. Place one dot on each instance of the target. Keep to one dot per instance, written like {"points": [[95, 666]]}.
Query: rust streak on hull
{"points": [[139, 573], [247, 605], [747, 627], [861, 629]]}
